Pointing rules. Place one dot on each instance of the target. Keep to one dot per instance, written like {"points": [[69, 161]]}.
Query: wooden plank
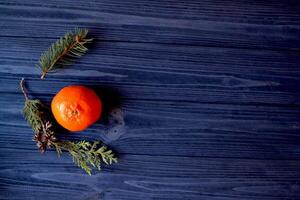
{"points": [[230, 76], [178, 129], [148, 177], [246, 24]]}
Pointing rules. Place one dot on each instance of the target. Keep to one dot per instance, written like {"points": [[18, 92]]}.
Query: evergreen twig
{"points": [[64, 51], [86, 155], [35, 113]]}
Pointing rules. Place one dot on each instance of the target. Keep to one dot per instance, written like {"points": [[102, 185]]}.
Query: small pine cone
{"points": [[38, 144], [36, 137], [41, 146], [45, 137]]}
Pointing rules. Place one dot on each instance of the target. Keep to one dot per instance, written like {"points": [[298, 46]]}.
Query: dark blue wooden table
{"points": [[205, 95]]}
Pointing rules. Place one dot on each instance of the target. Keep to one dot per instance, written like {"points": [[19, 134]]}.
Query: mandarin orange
{"points": [[76, 107]]}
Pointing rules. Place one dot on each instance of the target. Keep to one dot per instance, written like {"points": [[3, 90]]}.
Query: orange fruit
{"points": [[76, 107]]}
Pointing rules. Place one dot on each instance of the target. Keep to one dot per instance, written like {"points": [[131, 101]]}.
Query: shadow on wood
{"points": [[111, 100]]}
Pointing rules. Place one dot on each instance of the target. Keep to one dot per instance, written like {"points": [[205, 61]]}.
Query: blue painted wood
{"points": [[204, 97], [245, 24]]}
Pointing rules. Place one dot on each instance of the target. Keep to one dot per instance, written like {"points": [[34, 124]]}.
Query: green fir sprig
{"points": [[35, 113], [64, 51], [85, 154]]}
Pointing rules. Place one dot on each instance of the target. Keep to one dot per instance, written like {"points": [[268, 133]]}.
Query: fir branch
{"points": [[35, 113], [86, 155], [64, 51]]}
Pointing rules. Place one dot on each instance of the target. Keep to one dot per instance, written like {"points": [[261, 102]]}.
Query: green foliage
{"points": [[86, 155], [64, 51], [32, 114], [35, 113]]}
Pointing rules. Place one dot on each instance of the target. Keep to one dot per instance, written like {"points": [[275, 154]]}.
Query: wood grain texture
{"points": [[179, 72], [231, 23], [202, 99]]}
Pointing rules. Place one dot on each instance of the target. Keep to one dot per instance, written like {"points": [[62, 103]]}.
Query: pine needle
{"points": [[64, 51]]}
